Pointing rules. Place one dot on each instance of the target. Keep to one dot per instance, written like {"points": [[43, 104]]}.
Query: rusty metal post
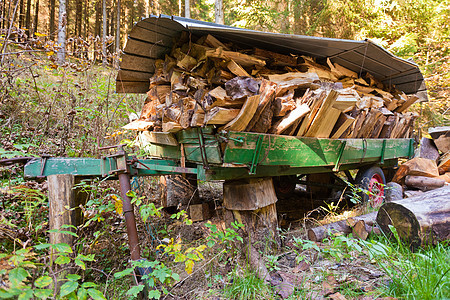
{"points": [[128, 211]]}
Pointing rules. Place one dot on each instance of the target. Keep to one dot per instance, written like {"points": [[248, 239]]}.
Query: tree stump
{"points": [[252, 203], [178, 190]]}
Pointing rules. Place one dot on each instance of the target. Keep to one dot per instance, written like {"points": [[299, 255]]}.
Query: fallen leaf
{"points": [[337, 296], [302, 266]]}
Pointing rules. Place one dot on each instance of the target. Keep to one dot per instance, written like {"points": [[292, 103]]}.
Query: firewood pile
{"points": [[430, 168], [207, 82]]}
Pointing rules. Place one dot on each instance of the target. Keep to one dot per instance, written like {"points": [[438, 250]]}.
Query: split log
{"points": [[317, 234], [422, 167], [242, 59], [220, 115], [289, 119], [267, 92], [424, 219], [444, 164], [424, 183], [344, 121], [236, 69], [245, 115], [319, 119], [443, 143]]}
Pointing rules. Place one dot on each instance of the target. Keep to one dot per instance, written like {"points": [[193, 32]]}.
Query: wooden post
{"points": [[252, 203], [61, 196]]}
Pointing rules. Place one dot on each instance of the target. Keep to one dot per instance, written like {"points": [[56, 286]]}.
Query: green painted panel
{"points": [[162, 151], [193, 153], [310, 152], [74, 166]]}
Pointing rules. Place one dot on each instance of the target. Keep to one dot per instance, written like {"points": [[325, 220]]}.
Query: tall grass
{"points": [[423, 275]]}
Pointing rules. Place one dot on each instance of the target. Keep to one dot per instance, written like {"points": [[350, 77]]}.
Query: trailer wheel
{"points": [[372, 182], [284, 185]]}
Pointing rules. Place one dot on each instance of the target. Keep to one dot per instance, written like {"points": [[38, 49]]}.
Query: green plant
{"points": [[23, 282], [247, 287], [424, 274], [304, 245], [157, 279]]}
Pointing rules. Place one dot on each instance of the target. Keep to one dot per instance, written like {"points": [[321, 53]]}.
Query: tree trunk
{"points": [[86, 21], [98, 13], [424, 219], [104, 59], [36, 17], [187, 9], [52, 8], [28, 19], [118, 27], [62, 25], [218, 8], [78, 18]]}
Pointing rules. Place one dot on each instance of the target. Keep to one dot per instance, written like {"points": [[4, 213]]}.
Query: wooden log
{"points": [[246, 113], [252, 202], [267, 92], [276, 59], [290, 119], [212, 42], [410, 101], [199, 212], [220, 116], [344, 121], [327, 126], [236, 69], [317, 234], [443, 143], [62, 202], [242, 59], [422, 167], [139, 125], [159, 138], [264, 122], [424, 183], [427, 149], [315, 106], [444, 164], [321, 114], [171, 127], [177, 191], [424, 219]]}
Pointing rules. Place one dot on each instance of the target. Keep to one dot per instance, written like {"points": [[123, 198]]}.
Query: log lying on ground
{"points": [[424, 183], [360, 226], [424, 219]]}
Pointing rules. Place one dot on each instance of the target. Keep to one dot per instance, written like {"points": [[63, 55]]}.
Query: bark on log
{"points": [[423, 219], [252, 203], [177, 190], [424, 183], [317, 234]]}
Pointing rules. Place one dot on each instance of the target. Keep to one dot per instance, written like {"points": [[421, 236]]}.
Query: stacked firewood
{"points": [[207, 82], [430, 168]]}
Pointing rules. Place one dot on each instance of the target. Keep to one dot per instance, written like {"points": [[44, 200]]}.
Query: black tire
{"points": [[372, 181], [285, 185]]}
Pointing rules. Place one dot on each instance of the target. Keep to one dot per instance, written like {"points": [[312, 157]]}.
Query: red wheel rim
{"points": [[376, 190]]}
